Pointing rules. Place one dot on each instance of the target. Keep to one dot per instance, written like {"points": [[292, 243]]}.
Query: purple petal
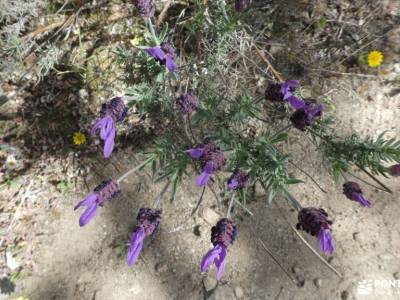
{"points": [[195, 153], [287, 86], [314, 112], [88, 214], [232, 184], [209, 258], [209, 167], [98, 125], [107, 127], [325, 241], [360, 199], [109, 144], [136, 246], [220, 263], [295, 102], [170, 64], [203, 179], [88, 201], [156, 52]]}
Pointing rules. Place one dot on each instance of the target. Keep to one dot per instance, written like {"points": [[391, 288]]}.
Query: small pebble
{"points": [[317, 282], [344, 295], [210, 282], [239, 292]]}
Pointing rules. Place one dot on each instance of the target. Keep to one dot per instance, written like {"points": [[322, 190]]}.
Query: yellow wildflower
{"points": [[21, 298], [79, 138], [136, 41], [375, 59]]}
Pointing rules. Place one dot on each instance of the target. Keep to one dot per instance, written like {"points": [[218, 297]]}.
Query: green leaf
{"points": [[294, 181]]}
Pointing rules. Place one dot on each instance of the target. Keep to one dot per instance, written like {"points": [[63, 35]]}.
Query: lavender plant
{"points": [[208, 134]]}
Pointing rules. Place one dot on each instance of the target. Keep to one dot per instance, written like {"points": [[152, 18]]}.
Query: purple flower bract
{"points": [[395, 170], [112, 112], [222, 235], [103, 193], [148, 221], [353, 192], [315, 222], [303, 117], [241, 5], [146, 8], [283, 92], [238, 180], [164, 54], [211, 159], [188, 103]]}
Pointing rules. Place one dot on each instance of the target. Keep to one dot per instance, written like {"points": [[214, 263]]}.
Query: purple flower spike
{"points": [[146, 8], [304, 117], [241, 5], [283, 92], [148, 221], [395, 170], [103, 193], [238, 180], [315, 222], [287, 90], [353, 192], [222, 235], [111, 113], [211, 159], [188, 103], [164, 54]]}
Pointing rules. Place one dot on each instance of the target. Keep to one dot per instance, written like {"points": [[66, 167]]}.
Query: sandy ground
{"points": [[89, 263]]}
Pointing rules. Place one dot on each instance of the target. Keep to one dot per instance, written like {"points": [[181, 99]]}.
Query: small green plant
{"points": [[205, 127]]}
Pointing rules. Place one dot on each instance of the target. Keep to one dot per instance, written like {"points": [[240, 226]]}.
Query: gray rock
{"points": [[300, 277], [344, 295], [12, 262], [196, 230], [210, 282], [209, 215], [161, 267], [317, 282], [223, 292], [239, 292]]}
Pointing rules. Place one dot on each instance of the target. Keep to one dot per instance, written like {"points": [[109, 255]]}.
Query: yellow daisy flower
{"points": [[136, 41], [375, 59], [79, 138]]}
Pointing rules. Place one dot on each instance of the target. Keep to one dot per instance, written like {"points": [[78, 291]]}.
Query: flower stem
{"points": [[307, 244], [161, 194], [187, 128], [228, 213], [375, 179], [308, 175], [133, 170], [198, 202], [362, 180], [315, 252], [282, 130]]}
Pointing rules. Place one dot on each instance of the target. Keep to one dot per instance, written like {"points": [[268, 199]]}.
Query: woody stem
{"points": [[161, 194], [228, 213], [133, 170]]}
